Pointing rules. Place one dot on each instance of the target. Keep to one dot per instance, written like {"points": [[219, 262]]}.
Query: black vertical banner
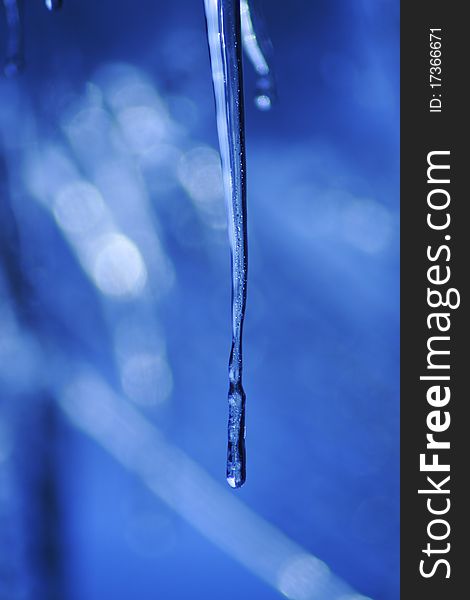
{"points": [[435, 309]]}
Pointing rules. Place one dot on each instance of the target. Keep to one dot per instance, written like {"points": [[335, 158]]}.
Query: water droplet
{"points": [[263, 102]]}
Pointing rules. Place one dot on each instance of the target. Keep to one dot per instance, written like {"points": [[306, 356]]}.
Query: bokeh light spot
{"points": [[118, 267]]}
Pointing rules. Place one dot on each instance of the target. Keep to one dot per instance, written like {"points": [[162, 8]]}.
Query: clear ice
{"points": [[15, 59], [53, 4], [228, 22], [257, 47]]}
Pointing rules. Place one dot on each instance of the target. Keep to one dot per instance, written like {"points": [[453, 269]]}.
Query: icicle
{"points": [[14, 61], [257, 49], [54, 4], [224, 34]]}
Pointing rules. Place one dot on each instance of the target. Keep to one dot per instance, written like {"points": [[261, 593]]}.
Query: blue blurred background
{"points": [[115, 310]]}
